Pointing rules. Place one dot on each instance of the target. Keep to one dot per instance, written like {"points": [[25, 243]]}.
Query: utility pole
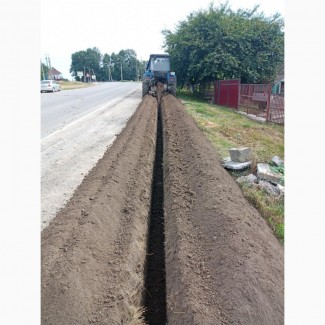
{"points": [[48, 64], [109, 70], [42, 69], [121, 71]]}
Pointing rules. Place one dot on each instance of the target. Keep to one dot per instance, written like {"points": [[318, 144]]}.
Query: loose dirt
{"points": [[103, 261], [223, 264], [93, 252]]}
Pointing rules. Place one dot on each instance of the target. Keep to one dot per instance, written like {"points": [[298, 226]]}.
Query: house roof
{"points": [[53, 71]]}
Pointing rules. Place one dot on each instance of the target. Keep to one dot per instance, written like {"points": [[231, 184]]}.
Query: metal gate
{"points": [[226, 93], [257, 99]]}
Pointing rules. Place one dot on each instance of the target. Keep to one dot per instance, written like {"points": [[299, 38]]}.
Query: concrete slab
{"points": [[241, 155], [264, 172], [280, 188], [233, 165], [277, 161], [256, 118], [269, 188], [249, 179]]}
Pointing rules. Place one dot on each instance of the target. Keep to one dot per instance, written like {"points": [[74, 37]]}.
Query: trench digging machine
{"points": [[158, 73]]}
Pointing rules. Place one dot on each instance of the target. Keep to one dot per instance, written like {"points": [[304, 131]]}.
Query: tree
{"points": [[44, 71], [121, 66], [128, 63], [219, 43], [88, 61]]}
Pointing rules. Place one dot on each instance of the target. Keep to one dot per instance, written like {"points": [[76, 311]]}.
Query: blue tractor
{"points": [[158, 71]]}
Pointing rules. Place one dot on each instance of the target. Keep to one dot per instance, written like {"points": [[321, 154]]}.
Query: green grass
{"points": [[225, 128], [74, 84]]}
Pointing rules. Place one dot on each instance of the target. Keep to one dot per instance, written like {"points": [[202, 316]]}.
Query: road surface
{"points": [[77, 128]]}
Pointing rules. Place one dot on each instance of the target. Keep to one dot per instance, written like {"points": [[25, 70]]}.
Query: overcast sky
{"points": [[75, 25]]}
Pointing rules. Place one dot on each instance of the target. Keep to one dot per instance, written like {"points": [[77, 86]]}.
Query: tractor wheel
{"points": [[145, 88], [172, 90]]}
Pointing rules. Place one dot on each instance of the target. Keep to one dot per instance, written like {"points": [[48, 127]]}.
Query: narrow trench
{"points": [[155, 276]]}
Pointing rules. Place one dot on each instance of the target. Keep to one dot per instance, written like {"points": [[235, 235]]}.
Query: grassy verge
{"points": [[227, 129], [65, 85]]}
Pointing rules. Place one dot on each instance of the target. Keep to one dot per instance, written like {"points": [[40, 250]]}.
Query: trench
{"points": [[155, 275]]}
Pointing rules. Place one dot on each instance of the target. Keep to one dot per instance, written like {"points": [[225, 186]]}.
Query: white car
{"points": [[50, 85]]}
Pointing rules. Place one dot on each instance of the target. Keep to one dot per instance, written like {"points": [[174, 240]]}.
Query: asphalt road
{"points": [[62, 108], [77, 128]]}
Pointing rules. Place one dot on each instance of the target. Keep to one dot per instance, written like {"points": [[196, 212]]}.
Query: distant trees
{"points": [[219, 43], [44, 71], [121, 66]]}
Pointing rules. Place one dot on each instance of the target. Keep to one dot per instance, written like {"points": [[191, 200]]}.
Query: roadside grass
{"points": [[65, 85], [226, 129]]}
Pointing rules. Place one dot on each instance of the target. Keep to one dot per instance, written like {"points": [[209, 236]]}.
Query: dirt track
{"points": [[223, 264]]}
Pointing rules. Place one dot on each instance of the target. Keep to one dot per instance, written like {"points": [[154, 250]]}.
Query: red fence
{"points": [[259, 100], [256, 99], [276, 112], [226, 93]]}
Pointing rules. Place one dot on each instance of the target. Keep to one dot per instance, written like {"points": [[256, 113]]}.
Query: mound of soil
{"points": [[223, 263], [93, 252]]}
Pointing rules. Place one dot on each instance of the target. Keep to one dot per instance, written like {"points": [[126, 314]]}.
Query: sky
{"points": [[75, 25]]}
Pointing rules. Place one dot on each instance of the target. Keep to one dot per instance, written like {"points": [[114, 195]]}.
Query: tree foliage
{"points": [[219, 43], [121, 66], [44, 71]]}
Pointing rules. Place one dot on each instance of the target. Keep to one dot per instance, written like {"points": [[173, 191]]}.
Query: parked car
{"points": [[50, 85]]}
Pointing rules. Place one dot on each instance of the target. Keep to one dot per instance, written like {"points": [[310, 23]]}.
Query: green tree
{"points": [[219, 43], [88, 61], [128, 60], [44, 71], [123, 65]]}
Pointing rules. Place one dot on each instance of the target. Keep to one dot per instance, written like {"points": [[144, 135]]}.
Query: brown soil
{"points": [[221, 262], [93, 252]]}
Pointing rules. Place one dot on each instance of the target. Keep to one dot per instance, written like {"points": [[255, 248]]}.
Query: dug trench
{"points": [[157, 233]]}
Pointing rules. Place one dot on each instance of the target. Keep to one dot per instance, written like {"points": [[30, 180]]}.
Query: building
{"points": [[278, 86], [54, 74]]}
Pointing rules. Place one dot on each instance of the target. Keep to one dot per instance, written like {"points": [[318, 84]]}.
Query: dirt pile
{"points": [[223, 264], [93, 252], [221, 261]]}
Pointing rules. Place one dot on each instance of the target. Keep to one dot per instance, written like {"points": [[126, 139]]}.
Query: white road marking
{"points": [[87, 115]]}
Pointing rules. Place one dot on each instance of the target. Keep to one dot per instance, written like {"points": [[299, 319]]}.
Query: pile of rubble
{"points": [[268, 176]]}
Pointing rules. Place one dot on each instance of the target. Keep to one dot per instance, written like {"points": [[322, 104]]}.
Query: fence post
{"points": [[238, 98], [268, 103]]}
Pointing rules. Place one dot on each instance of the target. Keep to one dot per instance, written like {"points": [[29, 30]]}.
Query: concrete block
{"points": [[277, 161], [264, 172], [240, 154], [233, 165], [256, 118], [281, 189], [249, 179], [269, 188]]}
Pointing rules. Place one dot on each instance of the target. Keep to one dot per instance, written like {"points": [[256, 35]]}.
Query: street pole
{"points": [[43, 77], [121, 72]]}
